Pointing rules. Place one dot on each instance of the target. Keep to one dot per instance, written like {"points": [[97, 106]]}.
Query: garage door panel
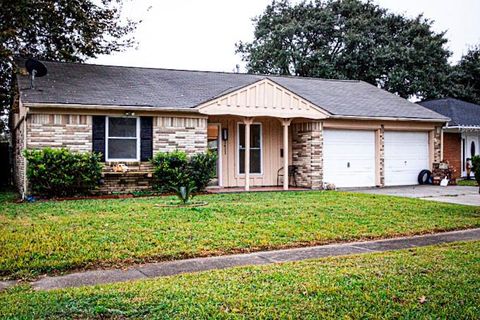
{"points": [[406, 154], [349, 158]]}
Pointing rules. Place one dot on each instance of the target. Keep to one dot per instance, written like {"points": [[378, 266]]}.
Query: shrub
{"points": [[60, 172], [202, 168], [476, 169], [173, 170]]}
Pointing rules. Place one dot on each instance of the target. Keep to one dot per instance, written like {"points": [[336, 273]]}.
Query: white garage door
{"points": [[406, 154], [349, 158]]}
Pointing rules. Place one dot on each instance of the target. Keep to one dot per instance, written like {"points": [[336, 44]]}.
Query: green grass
{"points": [[467, 183], [52, 237], [438, 282]]}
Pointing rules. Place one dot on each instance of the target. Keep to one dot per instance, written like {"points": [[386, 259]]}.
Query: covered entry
{"points": [[256, 133]]}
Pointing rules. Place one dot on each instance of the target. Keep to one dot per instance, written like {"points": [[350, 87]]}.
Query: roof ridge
{"points": [[203, 71]]}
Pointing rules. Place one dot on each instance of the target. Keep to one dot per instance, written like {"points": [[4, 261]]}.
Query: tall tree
{"points": [[349, 39], [465, 77], [61, 30]]}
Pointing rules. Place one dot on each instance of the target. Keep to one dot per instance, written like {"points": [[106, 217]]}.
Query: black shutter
{"points": [[146, 138], [98, 135]]}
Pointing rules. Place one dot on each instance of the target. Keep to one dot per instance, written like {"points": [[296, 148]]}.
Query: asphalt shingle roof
{"points": [[460, 112], [73, 83]]}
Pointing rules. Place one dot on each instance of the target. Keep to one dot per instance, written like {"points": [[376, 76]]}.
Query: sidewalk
{"points": [[169, 268]]}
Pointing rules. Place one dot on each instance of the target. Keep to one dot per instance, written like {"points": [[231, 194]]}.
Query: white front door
{"points": [[349, 158], [472, 148], [406, 154]]}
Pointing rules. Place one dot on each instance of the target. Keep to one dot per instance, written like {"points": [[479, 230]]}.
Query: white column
{"points": [[247, 122], [286, 124]]}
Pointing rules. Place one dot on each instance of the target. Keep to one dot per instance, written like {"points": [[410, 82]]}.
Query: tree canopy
{"points": [[464, 80], [61, 30], [349, 39]]}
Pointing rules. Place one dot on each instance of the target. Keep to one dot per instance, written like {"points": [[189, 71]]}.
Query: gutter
{"points": [[107, 107], [463, 127], [196, 110], [389, 118]]}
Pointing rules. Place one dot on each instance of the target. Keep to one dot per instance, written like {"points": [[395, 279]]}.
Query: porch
{"points": [[254, 189], [261, 130]]}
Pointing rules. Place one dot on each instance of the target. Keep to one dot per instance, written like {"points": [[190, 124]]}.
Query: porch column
{"points": [[247, 121], [285, 124]]}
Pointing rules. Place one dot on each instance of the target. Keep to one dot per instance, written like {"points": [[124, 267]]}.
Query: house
{"points": [[348, 133], [461, 137]]}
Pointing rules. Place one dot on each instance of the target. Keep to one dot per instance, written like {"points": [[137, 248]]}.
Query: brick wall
{"points": [[452, 150], [437, 145], [19, 160], [307, 147], [380, 144], [172, 133], [73, 132], [138, 178]]}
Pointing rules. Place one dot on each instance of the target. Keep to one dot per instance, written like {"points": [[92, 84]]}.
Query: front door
{"points": [[471, 148], [213, 143]]}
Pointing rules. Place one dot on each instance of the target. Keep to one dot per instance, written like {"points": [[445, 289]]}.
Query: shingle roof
{"points": [[73, 83], [460, 112]]}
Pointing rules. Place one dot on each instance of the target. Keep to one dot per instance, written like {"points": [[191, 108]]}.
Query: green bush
{"points": [[173, 170], [476, 169], [60, 172]]}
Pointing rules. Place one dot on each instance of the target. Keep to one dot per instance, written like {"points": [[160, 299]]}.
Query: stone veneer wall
{"points": [[381, 155], [19, 163], [73, 132], [307, 153], [437, 144], [179, 133], [138, 178]]}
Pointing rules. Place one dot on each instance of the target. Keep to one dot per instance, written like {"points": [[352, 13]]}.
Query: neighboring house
{"points": [[461, 137], [348, 133]]}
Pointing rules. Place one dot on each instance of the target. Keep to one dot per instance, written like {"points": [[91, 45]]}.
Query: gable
{"points": [[262, 98]]}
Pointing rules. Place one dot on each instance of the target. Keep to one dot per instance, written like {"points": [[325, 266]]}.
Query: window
{"points": [[472, 149], [123, 139], [255, 148]]}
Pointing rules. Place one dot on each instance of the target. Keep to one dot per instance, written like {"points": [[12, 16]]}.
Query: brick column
{"points": [[380, 156], [307, 153]]}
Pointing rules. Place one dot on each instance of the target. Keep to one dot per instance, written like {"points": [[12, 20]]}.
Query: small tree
{"points": [[476, 169]]}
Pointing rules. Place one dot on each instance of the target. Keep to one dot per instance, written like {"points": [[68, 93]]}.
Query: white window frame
{"points": [[238, 149], [137, 138]]}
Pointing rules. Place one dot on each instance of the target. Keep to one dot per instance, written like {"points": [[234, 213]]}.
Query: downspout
{"points": [[441, 144], [25, 180]]}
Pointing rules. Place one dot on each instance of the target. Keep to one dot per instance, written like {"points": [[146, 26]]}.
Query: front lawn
{"points": [[467, 183], [52, 237], [438, 282]]}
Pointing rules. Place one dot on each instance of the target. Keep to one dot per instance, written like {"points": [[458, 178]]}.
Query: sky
{"points": [[201, 35]]}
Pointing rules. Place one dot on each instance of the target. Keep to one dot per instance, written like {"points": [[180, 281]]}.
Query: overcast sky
{"points": [[201, 35]]}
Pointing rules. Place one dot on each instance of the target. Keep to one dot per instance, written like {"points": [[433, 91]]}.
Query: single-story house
{"points": [[461, 135], [346, 133]]}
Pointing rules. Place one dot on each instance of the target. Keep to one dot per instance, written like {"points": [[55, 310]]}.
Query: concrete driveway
{"points": [[451, 194]]}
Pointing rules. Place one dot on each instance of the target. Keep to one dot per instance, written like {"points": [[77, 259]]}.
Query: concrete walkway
{"points": [[450, 194], [169, 268]]}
